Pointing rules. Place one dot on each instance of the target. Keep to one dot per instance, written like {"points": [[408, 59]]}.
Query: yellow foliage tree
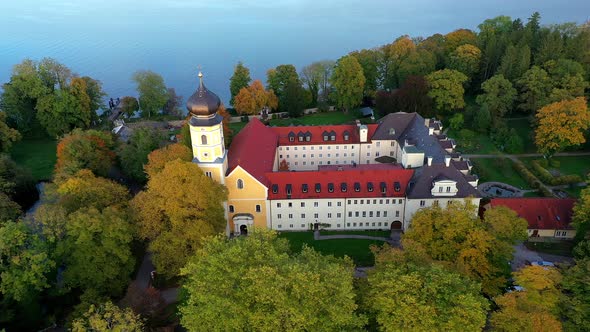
{"points": [[157, 159], [180, 207], [252, 99], [561, 124]]}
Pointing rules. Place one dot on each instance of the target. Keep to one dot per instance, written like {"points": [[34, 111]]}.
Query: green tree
{"points": [[535, 86], [456, 122], [7, 134], [129, 105], [458, 38], [95, 93], [498, 95], [295, 99], [277, 80], [108, 317], [174, 220], [96, 250], [581, 216], [16, 184], [90, 149], [567, 77], [406, 295], [349, 82], [575, 306], [134, 153], [515, 62], [24, 262], [239, 80], [446, 89], [466, 59], [413, 97], [417, 63], [369, 60], [278, 291], [152, 91]]}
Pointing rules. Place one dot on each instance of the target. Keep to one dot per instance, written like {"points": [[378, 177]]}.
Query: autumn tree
{"points": [[458, 38], [157, 159], [24, 262], [535, 86], [153, 94], [108, 317], [406, 293], [179, 208], [129, 105], [466, 59], [349, 81], [498, 95], [275, 289], [455, 235], [239, 80], [535, 308], [133, 154], [253, 98], [446, 89], [90, 149], [575, 305], [561, 124], [417, 63]]}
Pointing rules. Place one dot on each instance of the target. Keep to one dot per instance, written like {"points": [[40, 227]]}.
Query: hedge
{"points": [[526, 174], [548, 178]]}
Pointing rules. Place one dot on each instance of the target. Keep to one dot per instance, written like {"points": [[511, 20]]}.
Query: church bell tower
{"points": [[206, 128]]}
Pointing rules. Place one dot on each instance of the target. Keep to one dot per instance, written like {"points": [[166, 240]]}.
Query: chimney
{"points": [[358, 122], [447, 160], [429, 159], [430, 131]]}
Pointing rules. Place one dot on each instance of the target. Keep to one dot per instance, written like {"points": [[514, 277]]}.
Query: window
{"points": [[278, 205], [291, 139], [362, 201], [379, 224], [302, 225], [279, 226], [368, 155], [371, 215], [208, 174], [338, 203], [397, 213], [279, 216], [302, 204], [422, 203], [364, 214], [357, 186], [308, 138], [353, 224], [316, 215], [356, 201], [377, 154], [291, 225], [300, 138], [240, 184], [370, 186], [338, 215], [318, 187], [349, 202], [347, 224], [329, 215], [350, 213], [303, 216], [440, 189], [435, 202], [290, 216], [329, 204], [330, 187], [356, 214], [374, 201], [343, 189], [380, 201], [378, 214], [378, 144], [204, 139], [231, 209], [289, 189], [384, 214], [290, 204], [325, 137], [448, 189], [373, 224], [346, 137], [399, 201], [387, 201], [315, 204], [257, 208], [304, 188]]}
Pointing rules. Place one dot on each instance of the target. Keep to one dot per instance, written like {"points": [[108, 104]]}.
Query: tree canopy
{"points": [[278, 78], [153, 94], [108, 317], [176, 221], [133, 154], [239, 80], [157, 159], [446, 89], [253, 98], [498, 95], [349, 82], [279, 291]]}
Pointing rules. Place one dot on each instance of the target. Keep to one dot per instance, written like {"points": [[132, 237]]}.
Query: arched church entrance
{"points": [[242, 221], [396, 225]]}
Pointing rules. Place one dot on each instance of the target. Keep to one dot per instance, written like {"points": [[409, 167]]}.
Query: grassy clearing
{"points": [[561, 248], [37, 155], [327, 118], [237, 126], [479, 144], [525, 131], [358, 250], [498, 169], [574, 165]]}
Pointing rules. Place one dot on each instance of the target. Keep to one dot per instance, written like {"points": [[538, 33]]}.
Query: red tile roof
{"points": [[279, 181], [541, 213], [317, 134], [254, 148]]}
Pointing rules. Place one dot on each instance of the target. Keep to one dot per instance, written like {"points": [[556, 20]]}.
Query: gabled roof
{"points": [[317, 134], [541, 213], [423, 182], [397, 121], [366, 181], [253, 148]]}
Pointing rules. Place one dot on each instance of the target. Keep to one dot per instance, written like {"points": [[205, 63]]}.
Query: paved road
{"points": [[523, 255], [142, 279]]}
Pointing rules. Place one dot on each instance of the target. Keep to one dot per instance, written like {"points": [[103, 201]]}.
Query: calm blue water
{"points": [[109, 40]]}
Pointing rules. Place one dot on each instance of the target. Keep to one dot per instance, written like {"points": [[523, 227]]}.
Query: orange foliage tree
{"points": [[561, 124], [157, 159], [89, 149], [252, 99]]}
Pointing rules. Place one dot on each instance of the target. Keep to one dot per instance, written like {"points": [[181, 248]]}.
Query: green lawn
{"points": [[38, 155], [562, 248], [498, 169], [358, 250], [574, 165], [327, 118], [237, 126], [525, 131]]}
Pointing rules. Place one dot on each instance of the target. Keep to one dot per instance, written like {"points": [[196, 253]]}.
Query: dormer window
{"points": [[346, 136], [291, 136], [383, 187], [304, 188], [357, 186], [275, 188], [332, 135], [397, 186], [291, 139], [391, 131], [370, 186], [300, 138], [331, 187], [343, 187], [318, 188], [289, 189], [308, 138]]}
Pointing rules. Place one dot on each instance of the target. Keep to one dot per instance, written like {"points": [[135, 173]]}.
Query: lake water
{"points": [[109, 40]]}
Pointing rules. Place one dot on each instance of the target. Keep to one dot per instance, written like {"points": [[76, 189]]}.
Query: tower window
{"points": [[240, 184], [204, 139], [231, 209]]}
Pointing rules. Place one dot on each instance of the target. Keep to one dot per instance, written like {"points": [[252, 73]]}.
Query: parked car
{"points": [[542, 263]]}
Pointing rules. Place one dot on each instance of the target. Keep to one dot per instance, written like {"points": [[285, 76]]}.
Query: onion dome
{"points": [[203, 102]]}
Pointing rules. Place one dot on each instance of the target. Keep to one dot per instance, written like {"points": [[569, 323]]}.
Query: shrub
{"points": [[548, 178], [529, 177], [555, 163]]}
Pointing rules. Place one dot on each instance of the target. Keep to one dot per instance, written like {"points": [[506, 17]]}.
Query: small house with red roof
{"points": [[547, 217], [352, 176]]}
